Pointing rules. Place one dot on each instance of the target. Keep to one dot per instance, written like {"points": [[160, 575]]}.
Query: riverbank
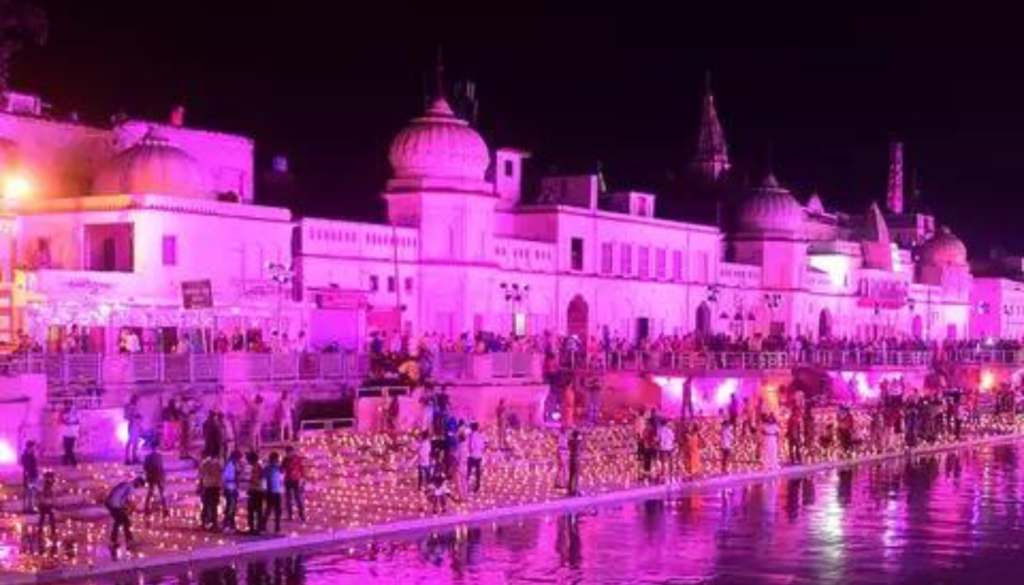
{"points": [[235, 547]]}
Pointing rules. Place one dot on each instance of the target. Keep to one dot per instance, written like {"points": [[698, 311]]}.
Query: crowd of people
{"points": [[799, 431], [270, 485]]}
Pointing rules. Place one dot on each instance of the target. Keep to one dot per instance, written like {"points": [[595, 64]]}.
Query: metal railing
{"points": [[768, 360], [101, 370]]}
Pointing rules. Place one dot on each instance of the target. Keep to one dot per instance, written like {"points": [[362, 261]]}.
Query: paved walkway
{"points": [[365, 487]]}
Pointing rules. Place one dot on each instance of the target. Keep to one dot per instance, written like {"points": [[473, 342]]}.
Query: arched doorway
{"points": [[824, 324], [917, 327], [577, 317], [703, 322]]}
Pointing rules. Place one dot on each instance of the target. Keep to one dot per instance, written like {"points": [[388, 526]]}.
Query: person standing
{"points": [[693, 462], [69, 429], [726, 443], [810, 432], [667, 450], [286, 417], [562, 451], [229, 480], [213, 438], [255, 494], [211, 480], [477, 445], [274, 478], [294, 482], [170, 416], [133, 418], [794, 438], [156, 479], [47, 506], [185, 413], [254, 421], [424, 458], [119, 504], [29, 477], [687, 406], [501, 420], [462, 465], [226, 420], [575, 462], [770, 445]]}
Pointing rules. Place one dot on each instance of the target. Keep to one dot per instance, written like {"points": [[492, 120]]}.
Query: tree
{"points": [[21, 23]]}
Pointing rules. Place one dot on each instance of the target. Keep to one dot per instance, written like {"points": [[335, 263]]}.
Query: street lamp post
{"points": [[773, 301], [281, 274], [514, 294]]}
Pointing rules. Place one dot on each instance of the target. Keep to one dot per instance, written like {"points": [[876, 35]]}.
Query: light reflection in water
{"points": [[950, 518]]}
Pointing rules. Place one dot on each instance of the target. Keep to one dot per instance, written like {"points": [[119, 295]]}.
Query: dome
{"points": [[439, 145], [943, 250], [771, 208], [151, 166]]}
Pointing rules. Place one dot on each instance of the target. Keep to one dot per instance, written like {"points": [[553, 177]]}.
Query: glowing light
{"points": [[988, 380], [122, 432], [725, 390], [834, 265], [7, 454], [859, 383], [16, 186]]}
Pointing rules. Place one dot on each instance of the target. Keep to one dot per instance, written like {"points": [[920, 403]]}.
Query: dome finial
{"points": [[439, 75]]}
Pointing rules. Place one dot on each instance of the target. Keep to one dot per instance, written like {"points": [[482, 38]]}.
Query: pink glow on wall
{"points": [[709, 394], [7, 454], [862, 390]]}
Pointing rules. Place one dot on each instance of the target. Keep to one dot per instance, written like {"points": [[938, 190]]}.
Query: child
{"points": [[439, 493]]}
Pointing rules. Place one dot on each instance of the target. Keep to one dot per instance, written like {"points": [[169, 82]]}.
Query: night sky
{"points": [[328, 85]]}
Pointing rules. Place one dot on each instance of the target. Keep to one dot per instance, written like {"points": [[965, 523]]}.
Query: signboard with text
{"points": [[196, 294]]}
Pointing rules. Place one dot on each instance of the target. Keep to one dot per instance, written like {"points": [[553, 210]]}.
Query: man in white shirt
{"points": [[477, 445], [424, 459], [666, 449]]}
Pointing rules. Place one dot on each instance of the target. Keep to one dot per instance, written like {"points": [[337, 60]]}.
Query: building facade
{"points": [[105, 226]]}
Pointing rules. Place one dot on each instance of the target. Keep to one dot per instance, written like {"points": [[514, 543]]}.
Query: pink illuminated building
{"points": [[120, 216]]}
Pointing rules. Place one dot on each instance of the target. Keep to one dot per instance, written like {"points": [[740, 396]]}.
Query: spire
{"points": [[894, 194], [437, 104], [712, 153], [439, 76]]}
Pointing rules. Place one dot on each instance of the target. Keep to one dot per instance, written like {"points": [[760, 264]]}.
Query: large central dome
{"points": [[771, 208], [439, 145], [943, 250]]}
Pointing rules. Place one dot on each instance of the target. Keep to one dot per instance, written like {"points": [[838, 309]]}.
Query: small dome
{"points": [[152, 166], [814, 204], [439, 145], [943, 250], [771, 208]]}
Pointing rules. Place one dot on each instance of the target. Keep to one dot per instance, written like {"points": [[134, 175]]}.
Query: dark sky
{"points": [[328, 84]]}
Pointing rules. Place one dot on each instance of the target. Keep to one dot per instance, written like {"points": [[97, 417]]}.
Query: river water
{"points": [[948, 518]]}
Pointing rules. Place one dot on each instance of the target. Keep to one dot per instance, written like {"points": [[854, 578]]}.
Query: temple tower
{"points": [[712, 159]]}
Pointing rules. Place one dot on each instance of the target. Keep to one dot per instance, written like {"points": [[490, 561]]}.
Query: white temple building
{"points": [[105, 224]]}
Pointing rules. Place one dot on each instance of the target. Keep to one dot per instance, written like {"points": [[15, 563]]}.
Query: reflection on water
{"points": [[953, 518]]}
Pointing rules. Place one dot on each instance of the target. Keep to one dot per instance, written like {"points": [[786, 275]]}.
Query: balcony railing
{"points": [[130, 369], [101, 370], [769, 360]]}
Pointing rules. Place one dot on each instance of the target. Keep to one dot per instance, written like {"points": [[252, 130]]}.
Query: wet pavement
{"points": [[947, 518]]}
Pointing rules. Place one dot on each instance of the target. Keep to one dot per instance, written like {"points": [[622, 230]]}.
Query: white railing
{"points": [[99, 370], [767, 360]]}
